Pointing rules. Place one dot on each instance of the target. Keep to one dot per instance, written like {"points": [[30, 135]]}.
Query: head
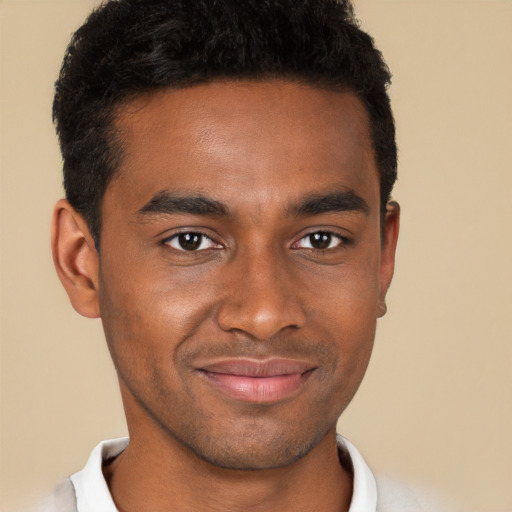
{"points": [[129, 48], [234, 161]]}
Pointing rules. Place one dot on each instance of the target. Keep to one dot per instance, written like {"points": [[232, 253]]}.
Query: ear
{"points": [[76, 259], [387, 260]]}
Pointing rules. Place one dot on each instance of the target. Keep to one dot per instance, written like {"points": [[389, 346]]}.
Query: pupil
{"points": [[190, 241], [320, 240]]}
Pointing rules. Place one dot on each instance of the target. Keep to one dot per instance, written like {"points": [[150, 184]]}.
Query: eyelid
{"points": [[343, 240], [195, 231]]}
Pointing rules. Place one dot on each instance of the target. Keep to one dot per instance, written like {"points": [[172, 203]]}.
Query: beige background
{"points": [[436, 405]]}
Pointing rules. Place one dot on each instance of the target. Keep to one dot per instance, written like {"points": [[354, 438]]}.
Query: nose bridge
{"points": [[262, 298]]}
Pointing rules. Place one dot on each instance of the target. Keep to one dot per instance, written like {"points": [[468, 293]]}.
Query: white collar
{"points": [[93, 495], [364, 493]]}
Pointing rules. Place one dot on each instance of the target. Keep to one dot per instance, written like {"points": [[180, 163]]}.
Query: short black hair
{"points": [[130, 47]]}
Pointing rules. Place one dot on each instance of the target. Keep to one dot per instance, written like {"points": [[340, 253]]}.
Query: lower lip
{"points": [[258, 389]]}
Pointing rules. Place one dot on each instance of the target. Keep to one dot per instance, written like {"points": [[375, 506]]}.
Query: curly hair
{"points": [[130, 47]]}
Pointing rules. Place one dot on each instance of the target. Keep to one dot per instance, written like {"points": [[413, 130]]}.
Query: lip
{"points": [[258, 381]]}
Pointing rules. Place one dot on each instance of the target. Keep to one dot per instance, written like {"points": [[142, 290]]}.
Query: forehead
{"points": [[271, 138]]}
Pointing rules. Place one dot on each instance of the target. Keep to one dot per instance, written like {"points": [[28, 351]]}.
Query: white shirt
{"points": [[87, 490]]}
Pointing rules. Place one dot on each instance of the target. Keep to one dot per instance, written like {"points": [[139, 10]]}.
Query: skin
{"points": [[266, 155]]}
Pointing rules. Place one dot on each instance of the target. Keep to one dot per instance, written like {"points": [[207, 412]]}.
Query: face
{"points": [[242, 267]]}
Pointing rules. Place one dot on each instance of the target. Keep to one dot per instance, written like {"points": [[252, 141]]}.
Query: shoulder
{"points": [[396, 496], [381, 493], [85, 490], [62, 499]]}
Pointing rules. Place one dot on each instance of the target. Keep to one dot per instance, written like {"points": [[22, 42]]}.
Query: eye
{"points": [[191, 241], [320, 240]]}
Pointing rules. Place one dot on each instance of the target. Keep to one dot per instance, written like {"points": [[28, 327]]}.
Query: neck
{"points": [[156, 473], [165, 477]]}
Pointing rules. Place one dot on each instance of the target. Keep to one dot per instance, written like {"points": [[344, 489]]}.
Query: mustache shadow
{"points": [[243, 346]]}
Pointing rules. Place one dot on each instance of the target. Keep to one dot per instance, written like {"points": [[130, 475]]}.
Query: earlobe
{"points": [[76, 259], [389, 242]]}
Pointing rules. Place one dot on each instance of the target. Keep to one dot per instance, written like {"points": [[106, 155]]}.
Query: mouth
{"points": [[262, 382]]}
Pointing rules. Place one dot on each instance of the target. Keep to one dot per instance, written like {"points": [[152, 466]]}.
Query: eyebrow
{"points": [[341, 201], [165, 202]]}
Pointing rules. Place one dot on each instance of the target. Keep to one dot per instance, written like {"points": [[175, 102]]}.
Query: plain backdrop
{"points": [[435, 408]]}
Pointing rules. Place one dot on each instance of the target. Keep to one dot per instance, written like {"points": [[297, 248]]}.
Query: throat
{"points": [[142, 481]]}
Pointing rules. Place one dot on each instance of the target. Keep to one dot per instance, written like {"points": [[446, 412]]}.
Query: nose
{"points": [[261, 298]]}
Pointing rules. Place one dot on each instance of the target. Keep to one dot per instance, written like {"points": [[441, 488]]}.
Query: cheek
{"points": [[345, 309], [354, 339], [346, 296], [353, 324], [147, 316]]}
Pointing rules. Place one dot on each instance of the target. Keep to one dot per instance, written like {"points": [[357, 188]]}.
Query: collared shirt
{"points": [[93, 495], [87, 490]]}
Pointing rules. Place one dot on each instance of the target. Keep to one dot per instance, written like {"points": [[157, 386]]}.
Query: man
{"points": [[228, 169]]}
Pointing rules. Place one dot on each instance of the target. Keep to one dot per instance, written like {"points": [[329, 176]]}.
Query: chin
{"points": [[252, 451]]}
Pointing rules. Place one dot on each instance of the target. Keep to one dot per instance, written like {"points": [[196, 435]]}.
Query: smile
{"points": [[255, 381]]}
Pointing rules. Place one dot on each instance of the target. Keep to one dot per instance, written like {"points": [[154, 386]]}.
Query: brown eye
{"points": [[320, 240], [191, 241]]}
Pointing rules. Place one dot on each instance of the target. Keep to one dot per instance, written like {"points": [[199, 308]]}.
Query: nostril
{"points": [[260, 317]]}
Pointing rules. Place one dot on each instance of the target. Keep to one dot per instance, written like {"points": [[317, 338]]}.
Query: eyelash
{"points": [[342, 240], [203, 237]]}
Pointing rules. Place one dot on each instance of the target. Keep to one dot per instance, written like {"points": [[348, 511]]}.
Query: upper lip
{"points": [[247, 367]]}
